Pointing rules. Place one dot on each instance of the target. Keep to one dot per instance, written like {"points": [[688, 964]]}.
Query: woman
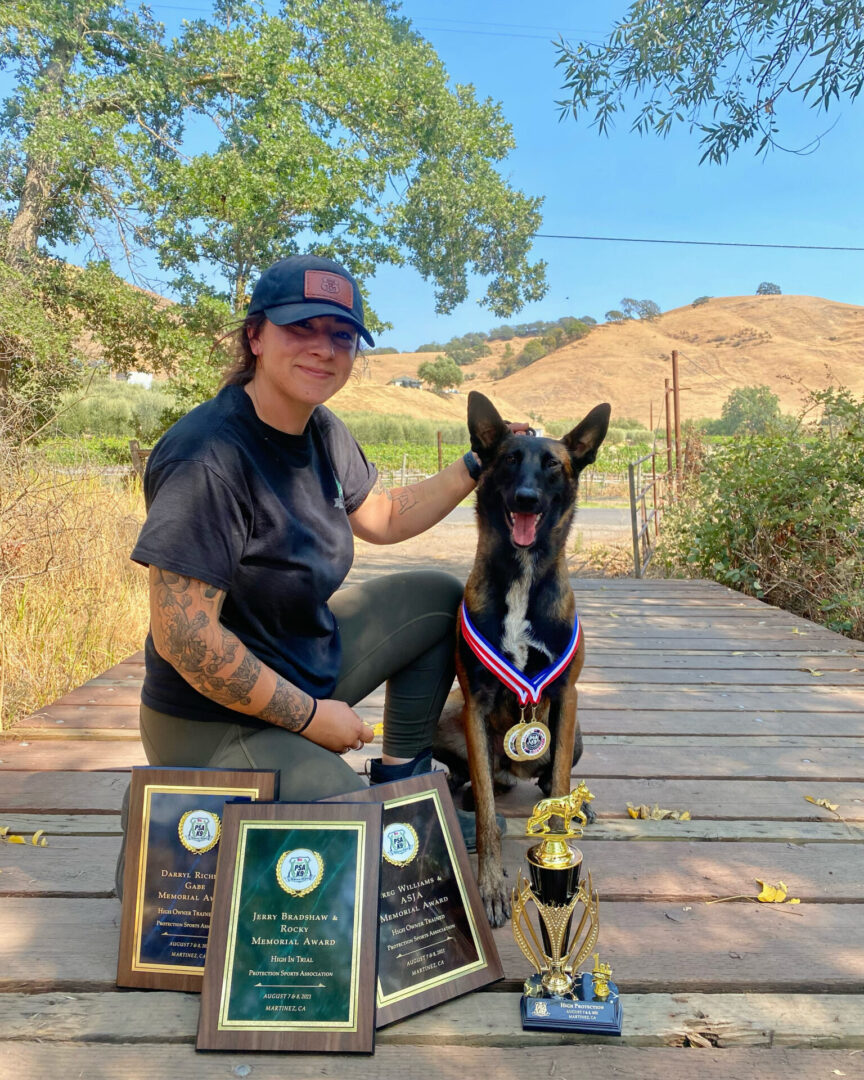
{"points": [[254, 660]]}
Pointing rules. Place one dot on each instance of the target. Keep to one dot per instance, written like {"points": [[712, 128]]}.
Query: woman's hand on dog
{"points": [[337, 727]]}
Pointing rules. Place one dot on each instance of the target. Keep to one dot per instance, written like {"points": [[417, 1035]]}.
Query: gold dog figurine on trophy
{"points": [[557, 996]]}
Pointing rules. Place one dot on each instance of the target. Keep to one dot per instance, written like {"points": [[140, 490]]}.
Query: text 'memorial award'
{"points": [[173, 833]]}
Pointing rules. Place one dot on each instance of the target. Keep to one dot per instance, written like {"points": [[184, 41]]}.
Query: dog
{"points": [[517, 600]]}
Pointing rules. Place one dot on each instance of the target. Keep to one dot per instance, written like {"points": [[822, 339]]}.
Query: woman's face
{"points": [[301, 365]]}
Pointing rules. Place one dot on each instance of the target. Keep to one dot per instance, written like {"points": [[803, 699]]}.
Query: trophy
{"points": [[558, 997]]}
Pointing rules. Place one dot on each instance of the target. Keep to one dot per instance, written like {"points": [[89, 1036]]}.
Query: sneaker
{"points": [[379, 773]]}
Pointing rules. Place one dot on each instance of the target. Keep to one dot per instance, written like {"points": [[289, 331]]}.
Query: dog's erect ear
{"points": [[485, 425], [584, 440]]}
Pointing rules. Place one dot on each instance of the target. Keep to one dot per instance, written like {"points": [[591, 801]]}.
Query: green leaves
{"points": [[721, 67], [779, 517]]}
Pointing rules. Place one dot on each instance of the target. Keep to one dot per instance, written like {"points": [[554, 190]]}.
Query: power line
{"points": [[704, 371], [694, 243]]}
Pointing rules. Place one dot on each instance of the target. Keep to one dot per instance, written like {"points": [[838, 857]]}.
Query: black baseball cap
{"points": [[303, 286]]}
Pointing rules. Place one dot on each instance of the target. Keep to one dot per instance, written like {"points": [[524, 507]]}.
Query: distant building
{"points": [[406, 380], [140, 378]]}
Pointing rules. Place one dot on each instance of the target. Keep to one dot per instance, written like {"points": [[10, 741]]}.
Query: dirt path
{"points": [[593, 551]]}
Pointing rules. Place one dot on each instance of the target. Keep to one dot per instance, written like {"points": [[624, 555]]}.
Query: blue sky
{"points": [[627, 185]]}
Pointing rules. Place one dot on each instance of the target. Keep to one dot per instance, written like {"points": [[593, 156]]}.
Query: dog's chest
{"points": [[517, 633]]}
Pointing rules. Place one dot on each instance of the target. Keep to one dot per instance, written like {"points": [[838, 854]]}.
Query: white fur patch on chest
{"points": [[518, 637]]}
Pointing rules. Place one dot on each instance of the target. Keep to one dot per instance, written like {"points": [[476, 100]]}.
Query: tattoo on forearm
{"points": [[404, 498], [288, 708], [201, 648]]}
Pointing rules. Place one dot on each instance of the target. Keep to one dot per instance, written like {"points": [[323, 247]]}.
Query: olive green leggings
{"points": [[398, 629]]}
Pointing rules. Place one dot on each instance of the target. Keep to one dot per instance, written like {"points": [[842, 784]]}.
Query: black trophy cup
{"points": [[557, 996]]}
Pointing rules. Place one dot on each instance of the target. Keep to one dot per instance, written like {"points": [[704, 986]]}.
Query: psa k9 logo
{"points": [[399, 843], [299, 871], [199, 830]]}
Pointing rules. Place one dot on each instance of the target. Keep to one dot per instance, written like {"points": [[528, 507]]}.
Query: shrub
{"points": [[105, 407], [700, 300], [768, 288], [373, 428], [780, 518]]}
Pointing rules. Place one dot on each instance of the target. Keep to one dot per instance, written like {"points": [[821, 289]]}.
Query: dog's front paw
{"points": [[496, 899]]}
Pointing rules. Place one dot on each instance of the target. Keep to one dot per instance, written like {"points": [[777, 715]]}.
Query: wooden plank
{"points": [[78, 793], [708, 800], [90, 717], [814, 699], [604, 760], [629, 639], [480, 1019], [606, 828], [82, 866], [697, 871], [65, 755], [728, 722], [155, 1062], [721, 676], [68, 866], [41, 794], [611, 659], [71, 945], [118, 694], [727, 742]]}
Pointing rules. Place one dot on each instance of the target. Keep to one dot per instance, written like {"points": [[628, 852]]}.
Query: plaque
{"points": [[434, 940], [293, 945], [172, 844]]}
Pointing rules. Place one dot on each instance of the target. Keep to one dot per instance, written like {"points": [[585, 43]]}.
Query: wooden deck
{"points": [[693, 697]]}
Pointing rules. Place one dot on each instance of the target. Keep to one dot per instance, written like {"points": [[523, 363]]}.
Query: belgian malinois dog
{"points": [[520, 649]]}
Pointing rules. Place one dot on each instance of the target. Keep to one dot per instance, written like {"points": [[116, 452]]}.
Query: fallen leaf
{"points": [[38, 839], [774, 894], [822, 802], [812, 671], [656, 813]]}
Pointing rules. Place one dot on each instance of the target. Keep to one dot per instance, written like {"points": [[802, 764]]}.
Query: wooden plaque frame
{"points": [[321, 907], [441, 847], [179, 791]]}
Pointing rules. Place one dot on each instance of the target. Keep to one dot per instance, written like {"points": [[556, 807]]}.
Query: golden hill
{"points": [[779, 341]]}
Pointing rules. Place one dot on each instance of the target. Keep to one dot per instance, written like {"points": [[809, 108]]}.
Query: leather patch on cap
{"points": [[322, 285]]}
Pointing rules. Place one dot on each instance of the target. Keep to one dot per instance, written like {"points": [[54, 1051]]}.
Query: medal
{"points": [[526, 740]]}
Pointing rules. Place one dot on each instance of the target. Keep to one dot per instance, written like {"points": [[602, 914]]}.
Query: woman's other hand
{"points": [[337, 727]]}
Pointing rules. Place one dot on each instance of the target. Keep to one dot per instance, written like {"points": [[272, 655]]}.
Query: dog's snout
{"points": [[527, 500]]}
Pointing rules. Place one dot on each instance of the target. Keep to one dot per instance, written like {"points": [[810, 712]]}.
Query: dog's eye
{"points": [[553, 464]]}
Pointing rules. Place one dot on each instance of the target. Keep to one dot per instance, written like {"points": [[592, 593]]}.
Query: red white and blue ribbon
{"points": [[524, 688]]}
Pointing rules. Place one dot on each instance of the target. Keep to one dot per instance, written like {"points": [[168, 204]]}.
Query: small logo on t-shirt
{"points": [[339, 501]]}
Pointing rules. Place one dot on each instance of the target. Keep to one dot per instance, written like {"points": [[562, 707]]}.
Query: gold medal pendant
{"points": [[533, 741], [527, 741], [511, 742]]}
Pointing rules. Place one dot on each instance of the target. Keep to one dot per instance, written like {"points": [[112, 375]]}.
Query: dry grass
{"points": [[71, 602]]}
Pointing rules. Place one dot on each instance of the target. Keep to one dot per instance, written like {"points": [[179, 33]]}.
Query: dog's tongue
{"points": [[524, 528]]}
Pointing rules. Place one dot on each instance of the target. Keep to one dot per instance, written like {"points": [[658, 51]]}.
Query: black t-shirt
{"points": [[262, 515]]}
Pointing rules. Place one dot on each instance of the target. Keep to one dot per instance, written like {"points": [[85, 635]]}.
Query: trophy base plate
{"points": [[578, 1011]]}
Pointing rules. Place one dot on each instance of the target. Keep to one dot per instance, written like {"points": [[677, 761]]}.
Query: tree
{"points": [[648, 310], [440, 373], [768, 288], [614, 316], [94, 103], [750, 410], [722, 67], [339, 132]]}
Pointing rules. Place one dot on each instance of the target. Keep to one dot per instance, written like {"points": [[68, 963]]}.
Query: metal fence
{"points": [[653, 492]]}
